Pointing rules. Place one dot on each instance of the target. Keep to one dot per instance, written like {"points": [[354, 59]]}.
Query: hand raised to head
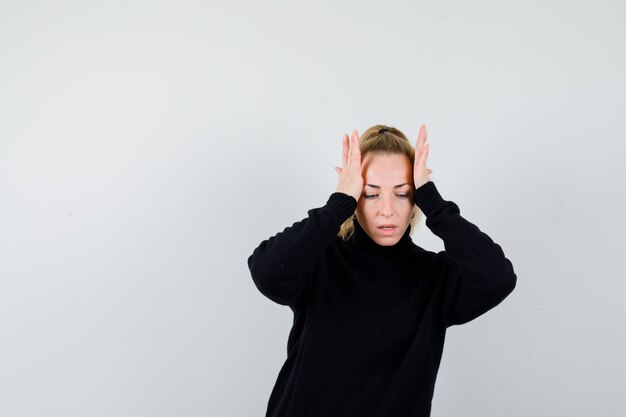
{"points": [[421, 174], [350, 175]]}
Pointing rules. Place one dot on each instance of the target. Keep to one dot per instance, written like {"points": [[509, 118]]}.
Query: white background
{"points": [[146, 148]]}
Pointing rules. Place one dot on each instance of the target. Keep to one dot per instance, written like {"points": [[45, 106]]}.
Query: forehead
{"points": [[386, 169]]}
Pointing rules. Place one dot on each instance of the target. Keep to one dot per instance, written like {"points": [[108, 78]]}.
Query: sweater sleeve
{"points": [[477, 274], [280, 266]]}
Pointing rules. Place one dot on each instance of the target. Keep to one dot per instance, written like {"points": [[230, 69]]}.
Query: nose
{"points": [[386, 209]]}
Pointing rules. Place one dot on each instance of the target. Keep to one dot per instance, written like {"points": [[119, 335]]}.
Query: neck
{"points": [[361, 240]]}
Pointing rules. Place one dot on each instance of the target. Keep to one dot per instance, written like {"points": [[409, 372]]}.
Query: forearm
{"points": [[483, 276], [278, 264]]}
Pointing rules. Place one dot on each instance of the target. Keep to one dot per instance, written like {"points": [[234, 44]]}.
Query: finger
{"points": [[352, 147], [355, 165], [349, 152], [345, 150], [425, 154], [424, 136], [420, 164], [420, 143], [357, 149]]}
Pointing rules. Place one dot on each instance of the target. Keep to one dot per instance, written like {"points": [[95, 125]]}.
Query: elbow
{"points": [[273, 285], [511, 282], [256, 272], [265, 278], [509, 279], [501, 287], [503, 282]]}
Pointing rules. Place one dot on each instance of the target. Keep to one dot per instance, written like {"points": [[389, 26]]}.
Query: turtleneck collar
{"points": [[361, 240]]}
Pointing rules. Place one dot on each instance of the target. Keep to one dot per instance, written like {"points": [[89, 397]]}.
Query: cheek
{"points": [[366, 210], [404, 204], [406, 208]]}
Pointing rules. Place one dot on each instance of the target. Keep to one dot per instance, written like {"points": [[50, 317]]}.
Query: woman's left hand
{"points": [[421, 174]]}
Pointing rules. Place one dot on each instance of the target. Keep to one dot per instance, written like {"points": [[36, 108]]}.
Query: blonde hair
{"points": [[381, 139]]}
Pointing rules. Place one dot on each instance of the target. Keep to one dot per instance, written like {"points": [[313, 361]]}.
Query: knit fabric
{"points": [[370, 320]]}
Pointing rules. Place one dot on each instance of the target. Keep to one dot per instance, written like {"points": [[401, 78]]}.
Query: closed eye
{"points": [[376, 195]]}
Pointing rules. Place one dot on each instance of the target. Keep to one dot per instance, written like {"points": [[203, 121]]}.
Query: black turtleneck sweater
{"points": [[370, 320]]}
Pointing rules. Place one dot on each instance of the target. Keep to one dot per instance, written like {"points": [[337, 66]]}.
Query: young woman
{"points": [[370, 307]]}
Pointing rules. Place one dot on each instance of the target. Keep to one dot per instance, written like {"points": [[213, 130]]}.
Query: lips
{"points": [[387, 225]]}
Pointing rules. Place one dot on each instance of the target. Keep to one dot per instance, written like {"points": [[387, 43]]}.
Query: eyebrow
{"points": [[378, 186]]}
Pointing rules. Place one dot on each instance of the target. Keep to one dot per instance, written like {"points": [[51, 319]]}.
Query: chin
{"points": [[386, 242]]}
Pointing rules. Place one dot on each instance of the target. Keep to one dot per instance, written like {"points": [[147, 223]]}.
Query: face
{"points": [[382, 203]]}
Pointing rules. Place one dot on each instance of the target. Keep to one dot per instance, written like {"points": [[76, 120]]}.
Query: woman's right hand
{"points": [[350, 175]]}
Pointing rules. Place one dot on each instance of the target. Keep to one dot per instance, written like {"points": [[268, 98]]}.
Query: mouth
{"points": [[387, 227]]}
